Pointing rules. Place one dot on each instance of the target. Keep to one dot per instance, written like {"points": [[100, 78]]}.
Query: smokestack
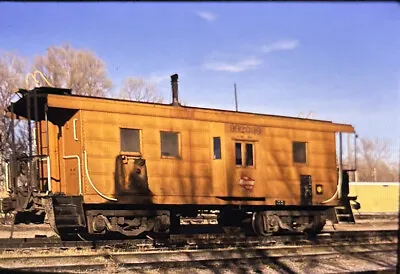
{"points": [[174, 84]]}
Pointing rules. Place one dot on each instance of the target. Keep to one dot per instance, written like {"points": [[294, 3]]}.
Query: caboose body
{"points": [[131, 167]]}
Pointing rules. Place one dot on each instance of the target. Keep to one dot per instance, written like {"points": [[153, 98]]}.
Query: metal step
{"points": [[66, 209], [71, 220], [344, 215], [64, 200]]}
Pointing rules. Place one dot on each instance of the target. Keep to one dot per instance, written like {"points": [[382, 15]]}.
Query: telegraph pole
{"points": [[236, 102]]}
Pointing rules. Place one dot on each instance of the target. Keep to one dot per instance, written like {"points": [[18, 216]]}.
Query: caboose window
{"points": [[169, 144], [249, 154], [238, 152], [299, 152], [245, 150], [130, 140], [217, 147]]}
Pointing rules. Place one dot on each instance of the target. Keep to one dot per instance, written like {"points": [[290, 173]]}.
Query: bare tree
{"points": [[374, 161], [12, 72], [137, 89], [77, 69], [12, 69]]}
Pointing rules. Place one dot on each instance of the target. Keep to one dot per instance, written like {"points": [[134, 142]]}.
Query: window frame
{"points": [[178, 145], [125, 152], [241, 154], [220, 147], [243, 145], [305, 153], [252, 154]]}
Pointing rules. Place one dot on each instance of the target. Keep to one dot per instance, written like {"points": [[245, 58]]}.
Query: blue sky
{"points": [[340, 61]]}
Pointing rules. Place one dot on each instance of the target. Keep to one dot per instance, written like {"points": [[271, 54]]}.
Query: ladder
{"points": [[43, 149], [344, 211]]}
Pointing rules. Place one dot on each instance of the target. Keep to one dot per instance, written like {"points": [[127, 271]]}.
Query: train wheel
{"points": [[175, 223], [315, 226], [263, 225]]}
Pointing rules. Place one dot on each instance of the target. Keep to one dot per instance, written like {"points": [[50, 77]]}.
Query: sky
{"points": [[330, 61]]}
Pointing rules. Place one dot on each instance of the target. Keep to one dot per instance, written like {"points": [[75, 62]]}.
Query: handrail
{"points": [[90, 181], [75, 136], [331, 199], [44, 78], [48, 163], [79, 170], [340, 179], [338, 192], [26, 80], [6, 175], [34, 139], [33, 75]]}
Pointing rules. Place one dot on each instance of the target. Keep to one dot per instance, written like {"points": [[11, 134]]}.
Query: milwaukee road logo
{"points": [[246, 129], [247, 183]]}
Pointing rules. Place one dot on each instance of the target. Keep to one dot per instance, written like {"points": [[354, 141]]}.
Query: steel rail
{"points": [[201, 241], [156, 258]]}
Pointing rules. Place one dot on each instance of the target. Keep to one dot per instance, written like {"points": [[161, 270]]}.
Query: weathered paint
{"points": [[195, 177], [201, 114]]}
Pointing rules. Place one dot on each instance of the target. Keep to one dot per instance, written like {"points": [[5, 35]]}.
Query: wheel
{"points": [[175, 223], [316, 226], [260, 220]]}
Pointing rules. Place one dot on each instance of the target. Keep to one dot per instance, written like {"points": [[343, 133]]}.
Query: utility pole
{"points": [[236, 102]]}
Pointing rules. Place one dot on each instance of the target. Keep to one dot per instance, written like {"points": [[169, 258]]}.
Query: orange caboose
{"points": [[103, 164]]}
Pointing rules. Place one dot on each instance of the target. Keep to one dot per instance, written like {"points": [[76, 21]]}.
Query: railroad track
{"points": [[167, 258], [198, 241]]}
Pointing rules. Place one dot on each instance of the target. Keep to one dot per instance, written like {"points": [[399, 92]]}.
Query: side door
{"points": [[131, 172], [72, 156], [245, 167], [241, 144]]}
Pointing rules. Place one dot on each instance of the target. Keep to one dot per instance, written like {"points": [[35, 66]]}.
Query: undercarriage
{"points": [[70, 217]]}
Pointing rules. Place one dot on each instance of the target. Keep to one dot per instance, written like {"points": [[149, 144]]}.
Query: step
{"points": [[344, 215], [66, 209], [352, 198], [67, 200], [68, 220], [343, 212], [347, 222]]}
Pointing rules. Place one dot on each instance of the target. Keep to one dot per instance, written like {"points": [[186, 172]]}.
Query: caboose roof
{"points": [[59, 100]]}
